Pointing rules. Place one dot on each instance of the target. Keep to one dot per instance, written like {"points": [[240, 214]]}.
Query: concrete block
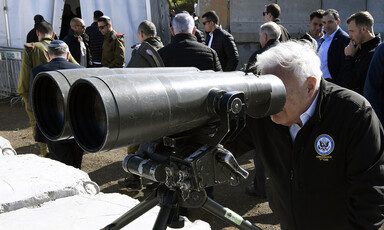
{"points": [[82, 212]]}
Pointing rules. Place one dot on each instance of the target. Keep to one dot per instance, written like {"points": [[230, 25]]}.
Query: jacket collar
{"points": [[324, 90], [277, 21], [271, 42], [373, 43], [184, 36]]}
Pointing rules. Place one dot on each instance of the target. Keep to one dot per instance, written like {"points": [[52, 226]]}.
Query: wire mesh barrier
{"points": [[10, 63]]}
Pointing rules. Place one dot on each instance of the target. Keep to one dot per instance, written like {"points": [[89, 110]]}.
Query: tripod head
{"points": [[195, 160]]}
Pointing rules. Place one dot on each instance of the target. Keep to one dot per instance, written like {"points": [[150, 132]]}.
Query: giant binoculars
{"points": [[109, 109]]}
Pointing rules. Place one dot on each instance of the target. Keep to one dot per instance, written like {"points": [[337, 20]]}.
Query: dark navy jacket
{"points": [[374, 84], [336, 53]]}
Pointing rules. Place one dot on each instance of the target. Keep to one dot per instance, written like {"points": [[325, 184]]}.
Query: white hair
{"points": [[183, 23], [296, 56]]}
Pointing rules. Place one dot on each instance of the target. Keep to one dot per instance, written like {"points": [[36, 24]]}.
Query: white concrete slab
{"points": [[39, 193], [84, 212], [29, 180]]}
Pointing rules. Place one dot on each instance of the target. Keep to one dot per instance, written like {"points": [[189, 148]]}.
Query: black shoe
{"points": [[250, 190], [130, 182]]}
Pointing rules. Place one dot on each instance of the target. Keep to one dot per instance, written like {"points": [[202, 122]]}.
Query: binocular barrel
{"points": [[112, 111], [50, 94]]}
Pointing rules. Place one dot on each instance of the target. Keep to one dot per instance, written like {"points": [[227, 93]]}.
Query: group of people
{"points": [[323, 153]]}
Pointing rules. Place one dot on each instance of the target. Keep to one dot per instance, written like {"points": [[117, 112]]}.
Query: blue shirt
{"points": [[323, 53]]}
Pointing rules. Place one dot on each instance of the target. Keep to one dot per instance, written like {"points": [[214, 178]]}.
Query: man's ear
{"points": [[364, 28], [67, 56], [338, 21], [311, 86], [194, 30]]}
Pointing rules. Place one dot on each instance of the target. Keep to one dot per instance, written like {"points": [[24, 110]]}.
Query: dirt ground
{"points": [[105, 169]]}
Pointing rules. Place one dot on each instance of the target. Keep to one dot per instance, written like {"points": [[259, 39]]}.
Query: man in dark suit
{"points": [[331, 49], [221, 41], [185, 50], [67, 151]]}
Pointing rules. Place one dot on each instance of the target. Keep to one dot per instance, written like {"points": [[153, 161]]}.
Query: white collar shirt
{"points": [[295, 128], [323, 53], [210, 40]]}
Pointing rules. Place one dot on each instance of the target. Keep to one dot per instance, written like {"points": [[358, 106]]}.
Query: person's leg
{"points": [[32, 121], [258, 188]]}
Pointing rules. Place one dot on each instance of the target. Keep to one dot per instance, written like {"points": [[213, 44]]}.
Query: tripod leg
{"points": [[133, 213], [162, 218], [228, 215], [168, 210]]}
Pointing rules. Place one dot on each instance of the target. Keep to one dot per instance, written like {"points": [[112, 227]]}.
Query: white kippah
{"points": [[106, 17]]}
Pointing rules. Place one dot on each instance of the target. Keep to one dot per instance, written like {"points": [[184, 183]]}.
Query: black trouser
{"points": [[259, 179], [67, 152]]}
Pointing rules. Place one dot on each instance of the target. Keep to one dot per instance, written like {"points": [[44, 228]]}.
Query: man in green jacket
{"points": [[113, 46], [34, 55]]}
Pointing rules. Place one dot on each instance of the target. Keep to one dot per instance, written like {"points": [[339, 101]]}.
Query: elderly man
{"points": [[113, 46], [67, 151], [185, 50], [323, 152], [269, 36], [78, 42]]}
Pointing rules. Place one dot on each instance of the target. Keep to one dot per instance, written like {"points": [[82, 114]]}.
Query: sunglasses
{"points": [[81, 26], [264, 13], [102, 27], [205, 22]]}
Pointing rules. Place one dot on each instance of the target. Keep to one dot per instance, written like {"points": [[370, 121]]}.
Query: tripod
{"points": [[196, 161], [168, 215]]}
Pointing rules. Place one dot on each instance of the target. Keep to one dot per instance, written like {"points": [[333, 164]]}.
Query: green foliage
{"points": [[183, 5]]}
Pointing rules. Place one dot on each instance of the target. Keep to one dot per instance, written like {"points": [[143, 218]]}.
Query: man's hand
{"points": [[351, 49]]}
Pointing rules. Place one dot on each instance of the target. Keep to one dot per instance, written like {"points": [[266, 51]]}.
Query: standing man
{"points": [[185, 50], [269, 37], [35, 54], [331, 49], [323, 153], [359, 52], [66, 151], [272, 13], [113, 46], [316, 25], [147, 33], [78, 42], [96, 39], [221, 41]]}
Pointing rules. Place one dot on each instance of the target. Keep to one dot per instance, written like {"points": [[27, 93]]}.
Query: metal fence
{"points": [[10, 63]]}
